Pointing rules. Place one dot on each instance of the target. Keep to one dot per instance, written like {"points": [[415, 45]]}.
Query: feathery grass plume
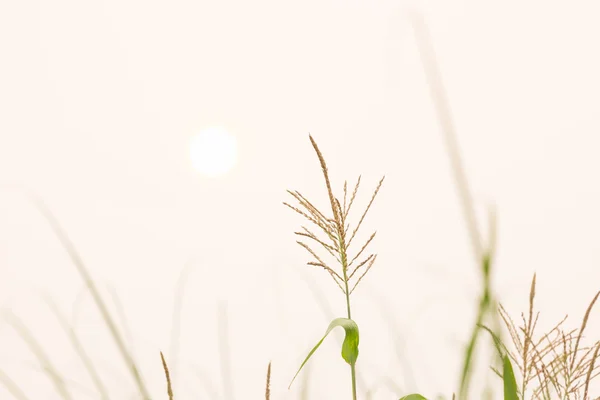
{"points": [[588, 377], [268, 388], [531, 355], [167, 376], [583, 325], [10, 385], [79, 348], [37, 349], [554, 364], [581, 369], [338, 237], [337, 241]]}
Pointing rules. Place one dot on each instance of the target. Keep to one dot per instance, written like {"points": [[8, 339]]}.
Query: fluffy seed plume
{"points": [[555, 364], [334, 229]]}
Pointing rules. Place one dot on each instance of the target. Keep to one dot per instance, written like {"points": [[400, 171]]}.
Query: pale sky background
{"points": [[100, 100]]}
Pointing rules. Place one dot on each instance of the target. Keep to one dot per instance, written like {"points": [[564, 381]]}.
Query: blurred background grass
{"points": [[99, 102]]}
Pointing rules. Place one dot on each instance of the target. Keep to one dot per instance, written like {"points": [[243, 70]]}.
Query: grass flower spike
{"points": [[335, 238]]}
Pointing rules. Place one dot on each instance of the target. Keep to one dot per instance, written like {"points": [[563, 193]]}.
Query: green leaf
{"points": [[508, 376], [349, 346], [413, 397], [510, 383], [497, 342]]}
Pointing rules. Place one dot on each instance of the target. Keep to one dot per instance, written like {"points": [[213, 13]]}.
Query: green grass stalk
{"points": [[10, 385], [483, 257], [79, 349], [95, 292], [336, 230], [37, 349]]}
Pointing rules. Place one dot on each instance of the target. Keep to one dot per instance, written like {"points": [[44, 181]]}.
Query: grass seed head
{"points": [[335, 228]]}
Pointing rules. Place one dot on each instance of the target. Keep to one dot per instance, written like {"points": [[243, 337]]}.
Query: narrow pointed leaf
{"points": [[497, 342], [510, 383], [349, 346], [413, 397]]}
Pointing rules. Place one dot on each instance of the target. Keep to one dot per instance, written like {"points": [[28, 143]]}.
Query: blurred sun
{"points": [[213, 152]]}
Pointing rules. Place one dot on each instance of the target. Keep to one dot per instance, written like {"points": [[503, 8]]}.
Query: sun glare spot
{"points": [[213, 152]]}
